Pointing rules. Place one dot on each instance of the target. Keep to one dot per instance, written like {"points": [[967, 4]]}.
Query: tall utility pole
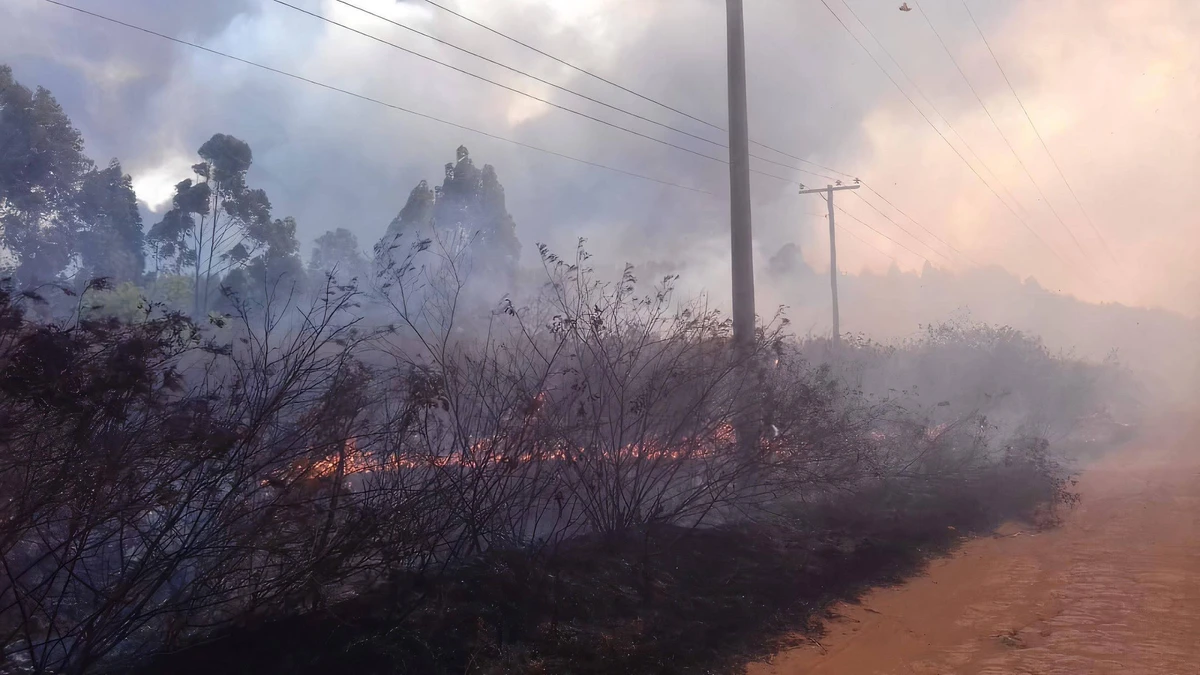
{"points": [[833, 267], [741, 233]]}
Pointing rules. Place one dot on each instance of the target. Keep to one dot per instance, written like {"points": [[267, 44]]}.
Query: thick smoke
{"points": [[1109, 99]]}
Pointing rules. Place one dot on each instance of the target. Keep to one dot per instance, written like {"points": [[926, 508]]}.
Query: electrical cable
{"points": [[369, 99]]}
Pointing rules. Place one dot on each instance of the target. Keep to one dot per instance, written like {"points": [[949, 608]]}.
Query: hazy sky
{"points": [[1111, 86]]}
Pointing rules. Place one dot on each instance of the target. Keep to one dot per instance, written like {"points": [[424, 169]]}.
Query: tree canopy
{"points": [[65, 221], [467, 211], [337, 252], [58, 212], [216, 223]]}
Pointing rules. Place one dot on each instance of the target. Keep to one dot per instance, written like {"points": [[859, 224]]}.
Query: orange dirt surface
{"points": [[1115, 589]]}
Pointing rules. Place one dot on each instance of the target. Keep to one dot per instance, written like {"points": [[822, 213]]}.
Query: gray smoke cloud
{"points": [[1107, 83], [333, 161]]}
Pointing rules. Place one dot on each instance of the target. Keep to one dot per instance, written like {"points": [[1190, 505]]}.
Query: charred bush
{"points": [[554, 486]]}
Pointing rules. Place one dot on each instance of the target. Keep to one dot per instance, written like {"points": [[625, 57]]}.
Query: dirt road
{"points": [[1114, 590]]}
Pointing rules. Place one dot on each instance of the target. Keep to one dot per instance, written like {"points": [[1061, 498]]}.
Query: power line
{"points": [[889, 219], [1000, 131], [942, 136], [929, 102], [376, 101], [644, 97], [864, 241], [655, 102], [903, 229], [876, 209], [369, 99], [573, 66], [844, 229], [778, 178], [509, 68], [1037, 133], [893, 222], [504, 86], [455, 125], [918, 223], [869, 227], [538, 79]]}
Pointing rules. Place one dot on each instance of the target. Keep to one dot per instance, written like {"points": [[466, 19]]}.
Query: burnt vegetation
{"points": [[375, 482], [215, 459]]}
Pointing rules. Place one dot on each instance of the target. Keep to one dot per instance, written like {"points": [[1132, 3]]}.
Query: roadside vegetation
{"points": [[215, 458], [375, 482]]}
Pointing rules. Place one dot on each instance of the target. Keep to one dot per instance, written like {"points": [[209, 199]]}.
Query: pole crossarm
{"points": [[827, 188]]}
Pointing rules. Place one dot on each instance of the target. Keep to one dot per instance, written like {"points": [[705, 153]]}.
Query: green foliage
{"points": [[56, 208], [226, 160], [132, 303], [127, 302], [217, 223], [276, 272], [466, 212], [173, 290], [41, 153], [41, 166], [337, 252], [111, 238]]}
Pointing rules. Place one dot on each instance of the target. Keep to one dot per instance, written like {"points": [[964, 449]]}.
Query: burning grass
{"points": [[563, 494]]}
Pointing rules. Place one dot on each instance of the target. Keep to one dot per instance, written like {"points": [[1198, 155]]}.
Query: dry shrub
{"points": [[412, 485]]}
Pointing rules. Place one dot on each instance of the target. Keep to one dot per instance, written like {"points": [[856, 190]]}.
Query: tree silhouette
{"points": [[212, 225], [111, 238], [337, 252], [41, 166], [467, 211]]}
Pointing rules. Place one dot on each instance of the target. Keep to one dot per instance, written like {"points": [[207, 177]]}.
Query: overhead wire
{"points": [[979, 99], [867, 243], [571, 65], [778, 178], [649, 99], [929, 102], [507, 67], [514, 90], [943, 137], [852, 233], [846, 230], [447, 122], [589, 98], [392, 106], [628, 90], [916, 222], [529, 75], [949, 125], [876, 231], [871, 228], [903, 229], [369, 99], [1037, 133]]}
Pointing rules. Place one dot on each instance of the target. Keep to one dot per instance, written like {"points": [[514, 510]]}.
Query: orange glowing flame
{"points": [[350, 460]]}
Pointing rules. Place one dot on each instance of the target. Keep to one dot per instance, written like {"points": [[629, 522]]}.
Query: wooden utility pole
{"points": [[833, 267], [741, 233]]}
